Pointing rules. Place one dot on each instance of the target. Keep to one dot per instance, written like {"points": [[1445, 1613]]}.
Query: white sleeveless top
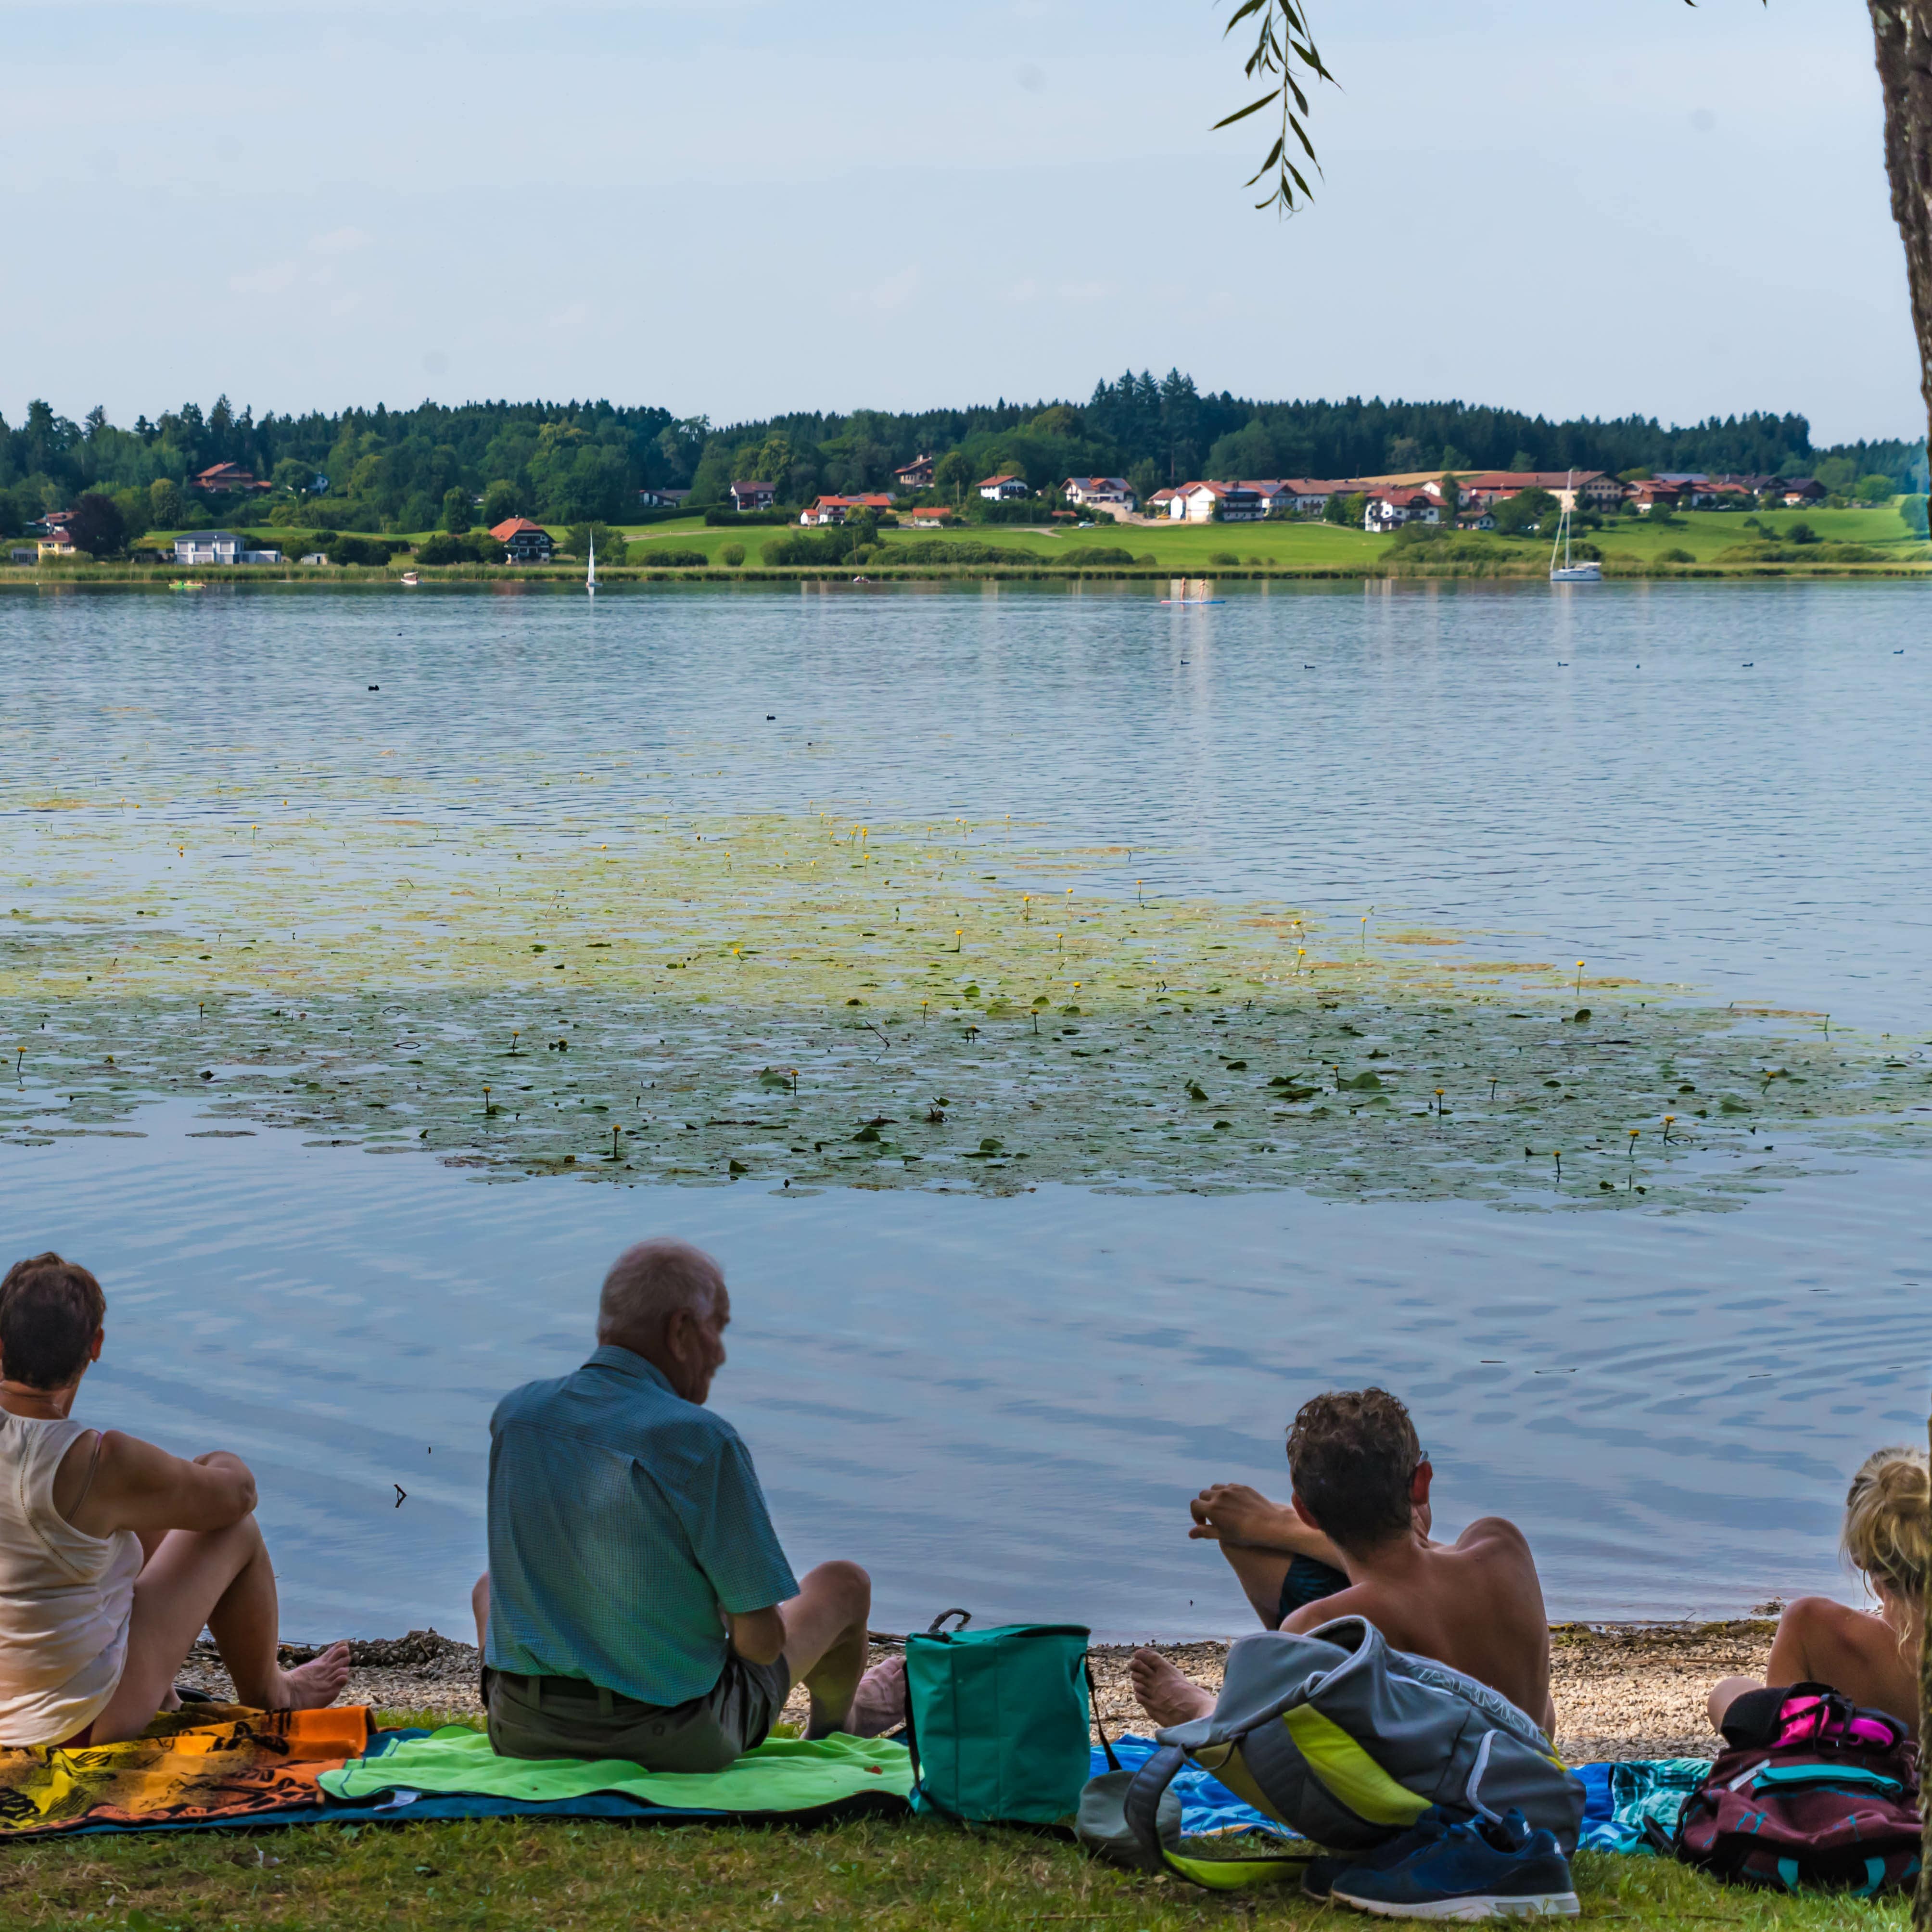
{"points": [[65, 1597]]}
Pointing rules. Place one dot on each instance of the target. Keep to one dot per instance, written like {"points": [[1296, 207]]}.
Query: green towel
{"points": [[782, 1774]]}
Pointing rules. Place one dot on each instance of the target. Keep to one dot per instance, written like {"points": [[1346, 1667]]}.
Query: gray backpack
{"points": [[1345, 1741]]}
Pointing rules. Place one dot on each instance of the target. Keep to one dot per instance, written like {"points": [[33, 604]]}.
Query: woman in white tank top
{"points": [[114, 1554], [66, 1597]]}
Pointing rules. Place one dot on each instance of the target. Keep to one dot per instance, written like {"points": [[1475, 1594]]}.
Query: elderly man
{"points": [[637, 1605]]}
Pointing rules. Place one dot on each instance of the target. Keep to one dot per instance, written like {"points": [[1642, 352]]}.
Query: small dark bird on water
{"points": [[375, 687]]}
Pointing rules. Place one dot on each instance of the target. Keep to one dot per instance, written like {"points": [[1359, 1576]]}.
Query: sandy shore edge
{"points": [[1622, 1690]]}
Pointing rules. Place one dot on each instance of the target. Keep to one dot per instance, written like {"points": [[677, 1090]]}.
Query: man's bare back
{"points": [[1475, 1605]]}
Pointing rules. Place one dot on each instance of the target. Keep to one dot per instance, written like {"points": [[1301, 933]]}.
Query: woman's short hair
{"points": [[1888, 1521], [50, 1312], [648, 1283], [1353, 1454]]}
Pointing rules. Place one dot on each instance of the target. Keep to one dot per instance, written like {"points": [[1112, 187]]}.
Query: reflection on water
{"points": [[1006, 1403]]}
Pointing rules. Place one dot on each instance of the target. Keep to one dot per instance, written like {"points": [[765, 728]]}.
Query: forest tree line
{"points": [[440, 467]]}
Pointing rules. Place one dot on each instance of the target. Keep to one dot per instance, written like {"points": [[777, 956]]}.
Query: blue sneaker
{"points": [[1318, 1878], [1479, 1869]]}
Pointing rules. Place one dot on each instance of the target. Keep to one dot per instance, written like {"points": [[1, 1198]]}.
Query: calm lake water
{"points": [[1005, 1403]]}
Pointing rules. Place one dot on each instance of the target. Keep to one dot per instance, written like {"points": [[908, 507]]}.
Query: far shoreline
{"points": [[344, 577]]}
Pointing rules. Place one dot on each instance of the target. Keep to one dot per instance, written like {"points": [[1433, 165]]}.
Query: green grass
{"points": [[1187, 549], [915, 1876]]}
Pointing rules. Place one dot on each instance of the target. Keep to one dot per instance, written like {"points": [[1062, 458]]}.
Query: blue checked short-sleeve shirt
{"points": [[622, 1520]]}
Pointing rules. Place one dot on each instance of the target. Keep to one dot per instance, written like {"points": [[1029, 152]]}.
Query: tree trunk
{"points": [[1903, 31]]}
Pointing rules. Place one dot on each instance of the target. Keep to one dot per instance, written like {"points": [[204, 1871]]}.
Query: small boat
{"points": [[186, 583], [1567, 572], [1194, 600], [411, 578], [590, 577]]}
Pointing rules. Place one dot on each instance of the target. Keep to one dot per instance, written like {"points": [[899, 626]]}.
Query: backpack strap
{"points": [[1141, 1807], [1094, 1710]]}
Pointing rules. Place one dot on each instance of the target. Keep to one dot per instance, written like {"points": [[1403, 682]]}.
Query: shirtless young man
{"points": [[1361, 1504], [114, 1554]]}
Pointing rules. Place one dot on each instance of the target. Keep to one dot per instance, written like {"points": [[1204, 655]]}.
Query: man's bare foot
{"points": [[314, 1685], [1163, 1693]]}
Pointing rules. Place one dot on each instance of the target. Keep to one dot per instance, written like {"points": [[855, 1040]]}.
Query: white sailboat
{"points": [[1567, 572], [590, 580]]}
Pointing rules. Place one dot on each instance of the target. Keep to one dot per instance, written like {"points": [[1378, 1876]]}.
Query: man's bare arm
{"points": [[137, 1486], [758, 1636]]}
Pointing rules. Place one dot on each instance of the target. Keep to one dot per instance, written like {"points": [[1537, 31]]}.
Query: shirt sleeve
{"points": [[731, 1533]]}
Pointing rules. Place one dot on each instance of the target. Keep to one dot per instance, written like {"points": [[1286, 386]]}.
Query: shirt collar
{"points": [[627, 1362]]}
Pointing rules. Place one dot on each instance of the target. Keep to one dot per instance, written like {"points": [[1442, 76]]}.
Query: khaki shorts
{"points": [[566, 1716]]}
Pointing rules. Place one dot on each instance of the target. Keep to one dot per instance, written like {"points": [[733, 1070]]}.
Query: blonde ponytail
{"points": [[1889, 1524]]}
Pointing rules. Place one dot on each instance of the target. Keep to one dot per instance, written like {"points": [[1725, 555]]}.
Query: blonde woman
{"points": [[1870, 1656]]}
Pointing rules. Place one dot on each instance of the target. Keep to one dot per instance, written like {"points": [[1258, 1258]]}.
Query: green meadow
{"points": [[1700, 541]]}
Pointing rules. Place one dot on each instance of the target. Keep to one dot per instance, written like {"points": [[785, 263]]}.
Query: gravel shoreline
{"points": [[1622, 1690]]}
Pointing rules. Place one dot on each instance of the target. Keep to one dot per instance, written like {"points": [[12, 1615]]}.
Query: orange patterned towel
{"points": [[203, 1764]]}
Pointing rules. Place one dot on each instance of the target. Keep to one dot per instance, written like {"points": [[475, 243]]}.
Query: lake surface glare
{"points": [[1006, 1403]]}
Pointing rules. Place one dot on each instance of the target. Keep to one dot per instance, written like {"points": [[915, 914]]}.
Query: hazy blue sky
{"points": [[734, 206]]}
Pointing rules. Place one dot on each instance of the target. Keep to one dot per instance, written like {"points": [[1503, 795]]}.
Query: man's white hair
{"points": [[648, 1283]]}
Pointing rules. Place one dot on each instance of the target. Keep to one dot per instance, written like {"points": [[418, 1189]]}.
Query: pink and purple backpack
{"points": [[1811, 1790]]}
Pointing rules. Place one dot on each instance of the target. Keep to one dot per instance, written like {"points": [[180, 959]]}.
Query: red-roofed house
{"points": [[1003, 488], [526, 542], [1205, 503], [1114, 494], [827, 509], [219, 478], [932, 516]]}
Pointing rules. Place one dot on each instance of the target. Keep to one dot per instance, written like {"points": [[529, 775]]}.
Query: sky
{"points": [[733, 207]]}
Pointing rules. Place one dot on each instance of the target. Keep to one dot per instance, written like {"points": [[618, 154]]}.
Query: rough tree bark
{"points": [[1903, 29]]}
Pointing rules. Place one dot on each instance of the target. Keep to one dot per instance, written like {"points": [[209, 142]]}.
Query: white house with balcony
{"points": [[197, 547], [1389, 509], [1003, 488]]}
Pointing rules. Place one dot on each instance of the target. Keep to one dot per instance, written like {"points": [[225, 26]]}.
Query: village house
{"points": [[1110, 493], [1308, 496], [1389, 509], [1653, 493], [194, 546], [753, 496], [931, 516], [827, 509], [661, 499], [1001, 489], [917, 475], [1277, 498], [1205, 502], [1798, 491], [836, 509], [1590, 489], [1475, 520], [218, 479], [526, 542]]}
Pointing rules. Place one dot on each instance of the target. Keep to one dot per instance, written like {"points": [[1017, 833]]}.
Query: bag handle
{"points": [[1094, 1710], [938, 1626]]}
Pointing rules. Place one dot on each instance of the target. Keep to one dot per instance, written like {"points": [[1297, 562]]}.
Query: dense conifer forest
{"points": [[412, 470]]}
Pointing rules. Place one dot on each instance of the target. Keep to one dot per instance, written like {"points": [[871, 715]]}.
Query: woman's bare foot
{"points": [[314, 1685], [1163, 1693], [879, 1705]]}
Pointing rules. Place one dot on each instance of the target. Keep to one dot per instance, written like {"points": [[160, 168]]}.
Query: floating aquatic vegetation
{"points": [[801, 1000]]}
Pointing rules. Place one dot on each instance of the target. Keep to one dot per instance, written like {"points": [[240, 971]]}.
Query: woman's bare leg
{"points": [[223, 1578]]}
